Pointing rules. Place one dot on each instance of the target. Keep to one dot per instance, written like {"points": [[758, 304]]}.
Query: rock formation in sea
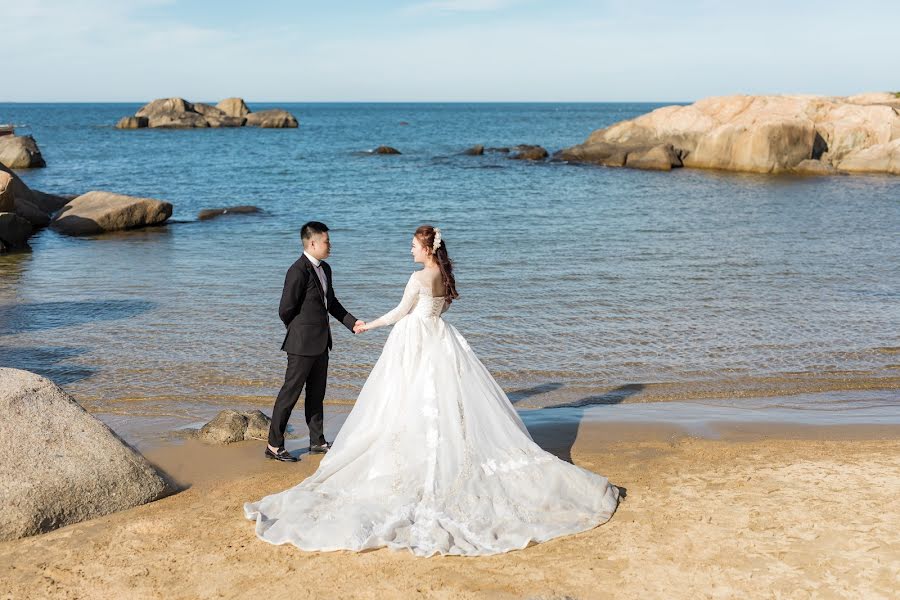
{"points": [[178, 113], [20, 152], [99, 212], [58, 464], [762, 134]]}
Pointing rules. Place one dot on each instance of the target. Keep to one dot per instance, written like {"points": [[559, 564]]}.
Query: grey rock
{"points": [[20, 152], [58, 464], [211, 213], [14, 231], [231, 426]]}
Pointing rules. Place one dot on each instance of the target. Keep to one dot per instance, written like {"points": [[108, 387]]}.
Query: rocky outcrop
{"points": [[385, 150], [476, 150], [211, 213], [20, 152], [98, 212], [234, 426], [58, 464], [274, 118], [178, 113], [763, 134]]}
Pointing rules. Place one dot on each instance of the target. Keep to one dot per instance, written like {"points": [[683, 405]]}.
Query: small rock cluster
{"points": [[178, 113]]}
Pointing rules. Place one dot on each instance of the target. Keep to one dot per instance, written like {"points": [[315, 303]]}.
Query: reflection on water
{"points": [[579, 286]]}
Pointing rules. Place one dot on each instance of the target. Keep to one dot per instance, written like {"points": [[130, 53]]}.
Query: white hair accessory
{"points": [[437, 240]]}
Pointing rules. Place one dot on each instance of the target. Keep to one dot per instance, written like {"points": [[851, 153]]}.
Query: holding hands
{"points": [[359, 327]]}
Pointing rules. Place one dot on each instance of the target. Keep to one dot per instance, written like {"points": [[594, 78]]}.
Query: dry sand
{"points": [[781, 512]]}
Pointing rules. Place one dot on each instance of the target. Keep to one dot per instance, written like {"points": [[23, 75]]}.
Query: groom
{"points": [[307, 299]]}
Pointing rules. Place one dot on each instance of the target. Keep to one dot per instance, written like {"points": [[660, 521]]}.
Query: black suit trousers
{"points": [[309, 371]]}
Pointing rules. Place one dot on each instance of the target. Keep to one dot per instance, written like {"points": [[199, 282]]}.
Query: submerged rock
{"points": [[528, 152], [20, 152], [476, 150], [385, 150], [211, 213], [58, 464], [98, 212]]}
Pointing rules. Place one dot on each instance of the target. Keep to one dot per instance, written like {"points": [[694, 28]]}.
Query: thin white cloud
{"points": [[457, 6]]}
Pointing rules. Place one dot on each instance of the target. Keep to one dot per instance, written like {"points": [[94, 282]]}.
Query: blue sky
{"points": [[443, 50]]}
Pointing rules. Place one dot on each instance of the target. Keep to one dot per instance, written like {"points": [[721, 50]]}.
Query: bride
{"points": [[433, 457]]}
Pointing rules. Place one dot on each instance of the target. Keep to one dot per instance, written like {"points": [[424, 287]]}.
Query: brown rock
{"points": [[233, 107], [7, 200], [880, 158], [98, 212], [132, 123], [476, 150], [165, 105], [814, 167], [658, 158], [20, 152], [385, 150], [529, 152], [272, 119], [231, 426]]}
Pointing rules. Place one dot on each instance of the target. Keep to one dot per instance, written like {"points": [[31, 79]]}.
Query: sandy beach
{"points": [[762, 511]]}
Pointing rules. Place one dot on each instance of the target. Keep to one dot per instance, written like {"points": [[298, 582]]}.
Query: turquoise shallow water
{"points": [[574, 280]]}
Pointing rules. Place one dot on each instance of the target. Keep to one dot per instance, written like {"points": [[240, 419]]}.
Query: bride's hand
{"points": [[359, 327]]}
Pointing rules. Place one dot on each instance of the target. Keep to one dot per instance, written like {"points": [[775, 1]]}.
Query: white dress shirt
{"points": [[317, 266]]}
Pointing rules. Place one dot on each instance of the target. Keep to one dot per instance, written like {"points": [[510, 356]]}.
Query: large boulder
{"points": [[98, 212], [35, 207], [164, 105], [273, 118], [231, 426], [14, 231], [20, 152], [58, 464], [233, 107], [764, 134], [217, 117]]}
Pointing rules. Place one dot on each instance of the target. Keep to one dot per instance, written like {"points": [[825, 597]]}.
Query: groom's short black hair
{"points": [[312, 228]]}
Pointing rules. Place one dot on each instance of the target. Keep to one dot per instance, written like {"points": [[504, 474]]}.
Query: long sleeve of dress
{"points": [[410, 296]]}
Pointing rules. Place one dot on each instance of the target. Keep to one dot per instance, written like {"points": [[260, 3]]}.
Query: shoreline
{"points": [[753, 510]]}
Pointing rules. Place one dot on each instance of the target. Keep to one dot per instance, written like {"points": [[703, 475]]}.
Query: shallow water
{"points": [[578, 284]]}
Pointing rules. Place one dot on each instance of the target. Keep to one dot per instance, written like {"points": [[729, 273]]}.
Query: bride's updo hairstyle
{"points": [[426, 235]]}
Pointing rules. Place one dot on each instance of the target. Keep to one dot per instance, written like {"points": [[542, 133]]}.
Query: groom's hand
{"points": [[359, 327]]}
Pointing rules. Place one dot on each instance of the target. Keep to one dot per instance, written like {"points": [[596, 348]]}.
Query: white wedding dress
{"points": [[433, 458]]}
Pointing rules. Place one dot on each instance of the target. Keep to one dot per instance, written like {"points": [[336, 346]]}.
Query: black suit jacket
{"points": [[302, 309]]}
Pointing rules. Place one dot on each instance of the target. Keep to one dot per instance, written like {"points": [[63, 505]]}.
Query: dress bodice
{"points": [[417, 300]]}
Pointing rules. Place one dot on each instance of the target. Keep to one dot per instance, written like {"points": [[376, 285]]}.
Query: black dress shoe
{"points": [[320, 448], [282, 455]]}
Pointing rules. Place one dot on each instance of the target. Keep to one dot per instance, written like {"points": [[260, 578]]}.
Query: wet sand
{"points": [[764, 511]]}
